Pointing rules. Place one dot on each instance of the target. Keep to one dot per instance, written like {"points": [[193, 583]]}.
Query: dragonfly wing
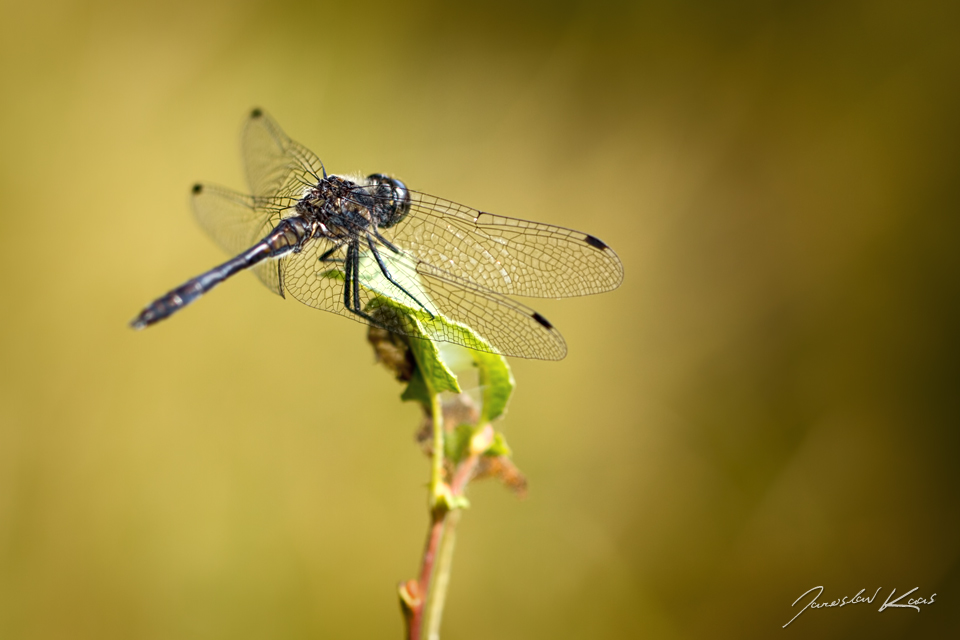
{"points": [[275, 165], [506, 255], [236, 222], [509, 327]]}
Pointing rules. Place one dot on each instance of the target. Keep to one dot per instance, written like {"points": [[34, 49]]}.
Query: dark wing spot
{"points": [[597, 243], [539, 318], [197, 188], [256, 113]]}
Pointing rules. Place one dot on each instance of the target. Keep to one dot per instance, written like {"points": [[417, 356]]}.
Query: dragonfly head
{"points": [[393, 199]]}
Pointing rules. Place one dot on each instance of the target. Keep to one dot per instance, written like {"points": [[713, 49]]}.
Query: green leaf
{"points": [[495, 377], [437, 376], [432, 324], [434, 374], [416, 390], [499, 446], [496, 382]]}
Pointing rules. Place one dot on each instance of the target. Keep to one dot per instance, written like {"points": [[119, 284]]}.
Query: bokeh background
{"points": [[769, 402]]}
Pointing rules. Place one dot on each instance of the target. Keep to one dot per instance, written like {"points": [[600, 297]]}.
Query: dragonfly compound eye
{"points": [[393, 197]]}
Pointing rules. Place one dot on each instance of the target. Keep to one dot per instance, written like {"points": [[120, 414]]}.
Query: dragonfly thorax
{"points": [[346, 209]]}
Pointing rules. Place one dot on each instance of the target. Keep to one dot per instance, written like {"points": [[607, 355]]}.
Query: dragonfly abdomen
{"points": [[287, 237]]}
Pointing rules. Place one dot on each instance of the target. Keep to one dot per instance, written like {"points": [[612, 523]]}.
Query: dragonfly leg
{"points": [[353, 255], [351, 285], [347, 276], [325, 256], [386, 243], [386, 273]]}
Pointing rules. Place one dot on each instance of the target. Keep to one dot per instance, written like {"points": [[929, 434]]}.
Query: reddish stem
{"points": [[434, 537], [464, 474], [438, 521]]}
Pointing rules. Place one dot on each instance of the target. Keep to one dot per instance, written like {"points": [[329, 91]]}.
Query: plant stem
{"points": [[439, 508], [423, 608], [425, 586], [444, 558], [442, 575], [437, 488]]}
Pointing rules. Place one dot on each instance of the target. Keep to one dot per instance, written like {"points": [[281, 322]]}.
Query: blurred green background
{"points": [[769, 402]]}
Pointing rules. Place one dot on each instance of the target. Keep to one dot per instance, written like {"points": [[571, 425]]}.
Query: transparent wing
{"points": [[511, 328], [236, 222], [506, 255], [275, 165]]}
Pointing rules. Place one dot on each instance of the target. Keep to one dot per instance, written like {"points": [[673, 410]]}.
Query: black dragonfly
{"points": [[356, 245]]}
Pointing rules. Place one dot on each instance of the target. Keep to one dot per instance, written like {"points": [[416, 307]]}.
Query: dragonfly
{"points": [[355, 246]]}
